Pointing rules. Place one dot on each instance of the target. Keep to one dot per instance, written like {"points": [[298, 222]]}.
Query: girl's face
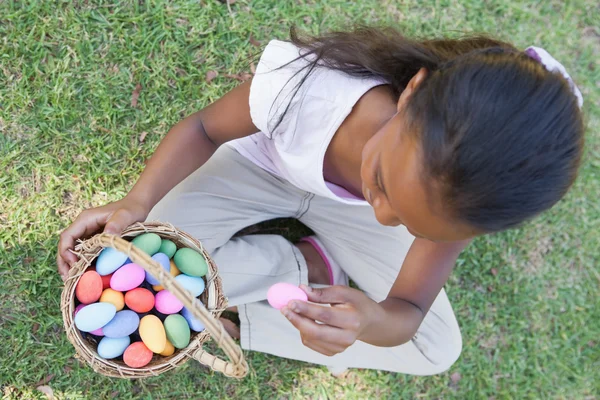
{"points": [[392, 183]]}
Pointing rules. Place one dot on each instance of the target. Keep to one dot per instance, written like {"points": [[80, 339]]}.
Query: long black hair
{"points": [[500, 135]]}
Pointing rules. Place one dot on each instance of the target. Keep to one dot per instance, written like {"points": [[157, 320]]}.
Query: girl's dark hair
{"points": [[500, 135]]}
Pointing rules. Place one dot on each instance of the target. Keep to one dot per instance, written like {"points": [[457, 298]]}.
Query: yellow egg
{"points": [[153, 333], [113, 297], [169, 349], [174, 272]]}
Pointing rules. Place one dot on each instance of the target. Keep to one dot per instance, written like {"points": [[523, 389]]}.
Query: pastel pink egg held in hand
{"points": [[280, 294]]}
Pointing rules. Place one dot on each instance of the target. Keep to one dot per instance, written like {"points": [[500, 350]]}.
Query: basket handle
{"points": [[237, 367]]}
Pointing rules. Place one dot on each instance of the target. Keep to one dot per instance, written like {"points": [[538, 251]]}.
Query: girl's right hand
{"points": [[113, 217]]}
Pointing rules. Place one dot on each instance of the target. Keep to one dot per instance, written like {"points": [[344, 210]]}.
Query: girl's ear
{"points": [[410, 88]]}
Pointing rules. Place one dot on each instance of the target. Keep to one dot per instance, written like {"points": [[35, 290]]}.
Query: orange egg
{"points": [[139, 300], [169, 349], [174, 272], [137, 355], [114, 297], [106, 281], [89, 287]]}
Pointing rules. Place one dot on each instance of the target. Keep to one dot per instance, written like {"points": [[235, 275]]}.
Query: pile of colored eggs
{"points": [[126, 311]]}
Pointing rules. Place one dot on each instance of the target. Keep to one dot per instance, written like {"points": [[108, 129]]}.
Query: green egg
{"points": [[190, 262], [148, 243], [167, 247], [178, 330]]}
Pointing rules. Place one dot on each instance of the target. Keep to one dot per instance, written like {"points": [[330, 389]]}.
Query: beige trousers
{"points": [[230, 193]]}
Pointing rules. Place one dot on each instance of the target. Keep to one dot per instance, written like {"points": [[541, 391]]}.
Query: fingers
{"points": [[330, 294], [86, 224], [318, 334], [63, 267], [313, 331], [337, 317], [328, 349]]}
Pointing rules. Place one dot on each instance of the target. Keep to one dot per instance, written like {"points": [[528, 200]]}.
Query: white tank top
{"points": [[295, 150]]}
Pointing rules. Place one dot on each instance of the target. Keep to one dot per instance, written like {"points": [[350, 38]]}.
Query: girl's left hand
{"points": [[350, 314]]}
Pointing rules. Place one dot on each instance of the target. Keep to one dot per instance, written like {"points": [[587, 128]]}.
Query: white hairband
{"points": [[552, 65]]}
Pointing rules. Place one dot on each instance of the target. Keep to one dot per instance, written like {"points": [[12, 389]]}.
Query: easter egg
{"points": [[192, 284], [79, 307], [174, 270], [195, 324], [147, 242], [89, 287], [178, 331], [166, 303], [97, 332], [94, 316], [169, 350], [124, 323], [167, 247], [127, 277], [112, 347], [139, 300], [137, 355], [280, 294], [190, 262], [153, 333], [105, 281], [164, 261], [114, 297], [109, 261]]}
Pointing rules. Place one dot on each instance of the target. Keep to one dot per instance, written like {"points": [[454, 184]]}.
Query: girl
{"points": [[396, 152]]}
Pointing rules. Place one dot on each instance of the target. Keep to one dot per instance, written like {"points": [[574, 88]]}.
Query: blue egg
{"points": [[195, 324], [163, 260], [94, 316], [193, 284], [109, 261], [123, 324], [113, 347]]}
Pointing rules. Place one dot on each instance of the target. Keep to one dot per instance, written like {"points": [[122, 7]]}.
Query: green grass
{"points": [[69, 139]]}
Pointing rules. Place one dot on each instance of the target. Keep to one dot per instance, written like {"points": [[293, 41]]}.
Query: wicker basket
{"points": [[209, 312]]}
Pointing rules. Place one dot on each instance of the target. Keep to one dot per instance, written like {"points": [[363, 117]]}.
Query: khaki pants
{"points": [[230, 193]]}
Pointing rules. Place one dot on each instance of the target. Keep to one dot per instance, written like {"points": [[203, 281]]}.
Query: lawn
{"points": [[87, 90]]}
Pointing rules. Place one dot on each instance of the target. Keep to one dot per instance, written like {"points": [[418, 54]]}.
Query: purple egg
{"points": [[79, 307], [123, 324], [128, 277], [98, 332], [166, 303], [163, 260]]}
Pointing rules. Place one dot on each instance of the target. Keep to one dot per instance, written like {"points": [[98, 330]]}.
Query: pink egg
{"points": [[165, 302], [280, 294], [127, 277]]}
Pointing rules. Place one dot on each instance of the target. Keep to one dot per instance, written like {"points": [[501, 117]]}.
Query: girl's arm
{"points": [[353, 316], [185, 148], [424, 272]]}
